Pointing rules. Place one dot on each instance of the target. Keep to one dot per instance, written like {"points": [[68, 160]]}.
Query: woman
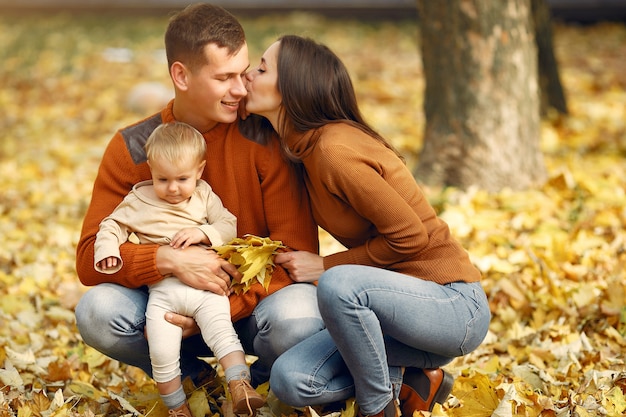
{"points": [[404, 298]]}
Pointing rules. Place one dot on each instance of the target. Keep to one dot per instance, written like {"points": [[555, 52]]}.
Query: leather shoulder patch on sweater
{"points": [[136, 136]]}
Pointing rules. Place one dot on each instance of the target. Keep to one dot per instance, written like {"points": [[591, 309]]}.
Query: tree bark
{"points": [[552, 95], [482, 99]]}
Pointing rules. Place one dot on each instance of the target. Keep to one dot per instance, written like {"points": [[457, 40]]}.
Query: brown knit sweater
{"points": [[253, 181], [365, 196]]}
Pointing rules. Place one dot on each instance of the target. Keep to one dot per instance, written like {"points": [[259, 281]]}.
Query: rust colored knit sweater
{"points": [[253, 181], [366, 197]]}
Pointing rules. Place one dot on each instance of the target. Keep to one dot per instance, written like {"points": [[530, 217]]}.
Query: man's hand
{"points": [[302, 266], [197, 267], [188, 324]]}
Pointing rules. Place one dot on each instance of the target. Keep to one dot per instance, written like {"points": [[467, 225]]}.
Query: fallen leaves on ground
{"points": [[553, 259]]}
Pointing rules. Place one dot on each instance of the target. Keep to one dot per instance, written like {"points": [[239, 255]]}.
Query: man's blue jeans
{"points": [[378, 321], [111, 319]]}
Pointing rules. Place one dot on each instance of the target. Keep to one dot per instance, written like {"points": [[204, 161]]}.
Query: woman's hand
{"points": [[302, 266]]}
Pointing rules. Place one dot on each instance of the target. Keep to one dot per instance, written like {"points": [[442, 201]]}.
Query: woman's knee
{"points": [[333, 286]]}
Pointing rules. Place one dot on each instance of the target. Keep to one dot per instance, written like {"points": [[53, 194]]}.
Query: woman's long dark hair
{"points": [[316, 90]]}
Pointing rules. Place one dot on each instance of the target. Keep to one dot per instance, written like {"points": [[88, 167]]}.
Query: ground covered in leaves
{"points": [[553, 258]]}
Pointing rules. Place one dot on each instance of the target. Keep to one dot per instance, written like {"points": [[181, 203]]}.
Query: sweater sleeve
{"points": [[113, 232], [116, 176], [107, 244]]}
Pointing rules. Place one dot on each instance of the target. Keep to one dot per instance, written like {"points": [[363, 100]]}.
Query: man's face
{"points": [[215, 89]]}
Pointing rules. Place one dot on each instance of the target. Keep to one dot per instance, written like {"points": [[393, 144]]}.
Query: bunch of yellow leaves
{"points": [[254, 258]]}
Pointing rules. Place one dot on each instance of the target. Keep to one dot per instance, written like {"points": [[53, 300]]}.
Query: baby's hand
{"points": [[108, 263], [188, 236]]}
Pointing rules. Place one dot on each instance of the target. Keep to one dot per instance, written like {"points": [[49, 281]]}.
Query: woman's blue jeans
{"points": [[111, 318], [378, 321]]}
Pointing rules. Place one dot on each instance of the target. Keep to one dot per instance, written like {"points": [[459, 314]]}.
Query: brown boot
{"points": [[182, 411], [245, 398], [422, 388]]}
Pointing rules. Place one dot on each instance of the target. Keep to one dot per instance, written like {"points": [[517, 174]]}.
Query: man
{"points": [[207, 56]]}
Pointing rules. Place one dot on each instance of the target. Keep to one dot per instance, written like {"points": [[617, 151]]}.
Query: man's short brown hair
{"points": [[196, 26]]}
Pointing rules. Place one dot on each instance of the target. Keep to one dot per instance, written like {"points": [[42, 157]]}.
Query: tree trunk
{"points": [[552, 95], [482, 99]]}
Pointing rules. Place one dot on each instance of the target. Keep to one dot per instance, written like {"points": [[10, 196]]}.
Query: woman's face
{"points": [[263, 96]]}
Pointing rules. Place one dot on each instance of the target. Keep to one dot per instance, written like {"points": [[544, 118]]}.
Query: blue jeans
{"points": [[111, 318], [378, 321]]}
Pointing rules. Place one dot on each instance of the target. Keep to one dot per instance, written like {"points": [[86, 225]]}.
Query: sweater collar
{"points": [[167, 116], [302, 144]]}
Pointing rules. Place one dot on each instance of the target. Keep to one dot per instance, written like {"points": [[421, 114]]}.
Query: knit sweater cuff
{"points": [[145, 271]]}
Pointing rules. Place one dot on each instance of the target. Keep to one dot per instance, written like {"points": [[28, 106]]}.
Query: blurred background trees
{"points": [[490, 73], [490, 76]]}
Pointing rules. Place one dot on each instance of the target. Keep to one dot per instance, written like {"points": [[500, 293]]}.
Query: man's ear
{"points": [[179, 74]]}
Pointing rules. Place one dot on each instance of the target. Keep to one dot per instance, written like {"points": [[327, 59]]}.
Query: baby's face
{"points": [[175, 183]]}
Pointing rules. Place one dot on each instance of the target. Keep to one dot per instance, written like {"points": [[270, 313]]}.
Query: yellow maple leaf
{"points": [[93, 358], [614, 402], [277, 407], [254, 258], [86, 389], [478, 395], [40, 402], [350, 410], [198, 404], [24, 411]]}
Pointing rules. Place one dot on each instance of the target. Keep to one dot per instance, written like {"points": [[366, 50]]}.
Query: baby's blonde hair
{"points": [[176, 142]]}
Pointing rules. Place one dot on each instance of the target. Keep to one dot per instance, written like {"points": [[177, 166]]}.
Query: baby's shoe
{"points": [[182, 411], [245, 398]]}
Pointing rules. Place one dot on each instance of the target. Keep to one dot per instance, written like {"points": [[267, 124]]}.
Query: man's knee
{"points": [[109, 311], [290, 317], [292, 302], [284, 319], [85, 315]]}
